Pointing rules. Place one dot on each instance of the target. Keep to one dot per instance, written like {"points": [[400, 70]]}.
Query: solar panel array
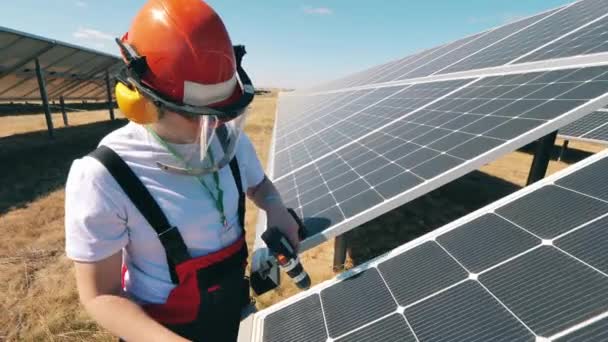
{"points": [[576, 29], [592, 128], [73, 72], [531, 267], [349, 151]]}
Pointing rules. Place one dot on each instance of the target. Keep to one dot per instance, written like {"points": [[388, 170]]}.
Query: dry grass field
{"points": [[18, 124], [37, 291]]}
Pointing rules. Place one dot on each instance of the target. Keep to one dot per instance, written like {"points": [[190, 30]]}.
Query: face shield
{"points": [[216, 129], [213, 147]]}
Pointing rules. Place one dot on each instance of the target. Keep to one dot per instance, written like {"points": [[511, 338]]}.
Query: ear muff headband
{"points": [[134, 105]]}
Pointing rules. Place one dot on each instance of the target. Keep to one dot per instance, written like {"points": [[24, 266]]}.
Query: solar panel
{"points": [[394, 69], [74, 72], [531, 267], [572, 30], [592, 128], [359, 162], [424, 59], [334, 128], [518, 46], [589, 39], [483, 41]]}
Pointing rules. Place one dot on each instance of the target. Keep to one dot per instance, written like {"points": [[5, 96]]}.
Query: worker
{"points": [[155, 216]]}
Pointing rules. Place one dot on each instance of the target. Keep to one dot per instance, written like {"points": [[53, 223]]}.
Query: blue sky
{"points": [[291, 43]]}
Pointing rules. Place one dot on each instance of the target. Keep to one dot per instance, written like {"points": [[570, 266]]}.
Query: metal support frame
{"points": [[26, 60], [99, 92], [83, 79], [340, 247], [58, 75], [97, 88], [43, 96], [542, 155], [563, 150], [109, 89], [63, 113], [52, 82], [13, 43]]}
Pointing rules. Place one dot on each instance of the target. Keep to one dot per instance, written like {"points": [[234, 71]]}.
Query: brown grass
{"points": [[17, 124], [37, 291]]}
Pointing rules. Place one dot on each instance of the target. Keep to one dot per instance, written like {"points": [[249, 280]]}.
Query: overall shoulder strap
{"points": [[169, 236], [236, 174]]}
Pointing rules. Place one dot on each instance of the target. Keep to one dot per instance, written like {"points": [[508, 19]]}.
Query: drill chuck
{"points": [[296, 272]]}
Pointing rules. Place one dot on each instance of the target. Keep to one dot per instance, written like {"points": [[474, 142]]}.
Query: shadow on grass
{"points": [[17, 109], [34, 165], [426, 214]]}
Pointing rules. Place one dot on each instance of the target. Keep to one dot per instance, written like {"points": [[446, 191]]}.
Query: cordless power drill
{"points": [[285, 254]]}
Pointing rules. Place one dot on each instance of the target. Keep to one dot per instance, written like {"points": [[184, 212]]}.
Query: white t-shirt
{"points": [[100, 220]]}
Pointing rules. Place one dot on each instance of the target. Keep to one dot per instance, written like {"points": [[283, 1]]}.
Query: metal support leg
{"points": [[544, 146], [340, 246], [563, 150], [109, 89], [63, 113], [45, 100]]}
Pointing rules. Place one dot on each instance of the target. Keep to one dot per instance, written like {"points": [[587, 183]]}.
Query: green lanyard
{"points": [[219, 201]]}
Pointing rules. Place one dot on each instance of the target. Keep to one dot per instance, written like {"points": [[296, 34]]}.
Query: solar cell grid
{"points": [[587, 40], [599, 134], [397, 69], [340, 127], [364, 77], [433, 55], [391, 329], [548, 29], [484, 277], [375, 73], [302, 110], [596, 331], [471, 47], [589, 123], [370, 159]]}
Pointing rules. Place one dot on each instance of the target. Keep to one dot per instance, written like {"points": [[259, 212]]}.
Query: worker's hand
{"points": [[279, 217]]}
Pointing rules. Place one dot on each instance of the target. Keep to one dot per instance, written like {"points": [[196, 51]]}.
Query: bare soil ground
{"points": [[38, 300]]}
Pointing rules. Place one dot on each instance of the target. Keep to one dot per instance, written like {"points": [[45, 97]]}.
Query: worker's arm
{"points": [[99, 287], [267, 198]]}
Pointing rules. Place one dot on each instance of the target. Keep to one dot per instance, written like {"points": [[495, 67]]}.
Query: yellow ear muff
{"points": [[134, 105]]}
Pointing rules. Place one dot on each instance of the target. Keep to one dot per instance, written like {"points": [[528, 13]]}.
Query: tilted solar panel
{"points": [[572, 30], [516, 47], [74, 72], [530, 267], [485, 40], [592, 128], [363, 161]]}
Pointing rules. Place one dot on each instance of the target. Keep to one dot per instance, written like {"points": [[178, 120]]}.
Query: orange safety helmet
{"points": [[180, 56]]}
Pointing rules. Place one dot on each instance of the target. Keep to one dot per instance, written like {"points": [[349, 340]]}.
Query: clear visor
{"points": [[213, 148]]}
